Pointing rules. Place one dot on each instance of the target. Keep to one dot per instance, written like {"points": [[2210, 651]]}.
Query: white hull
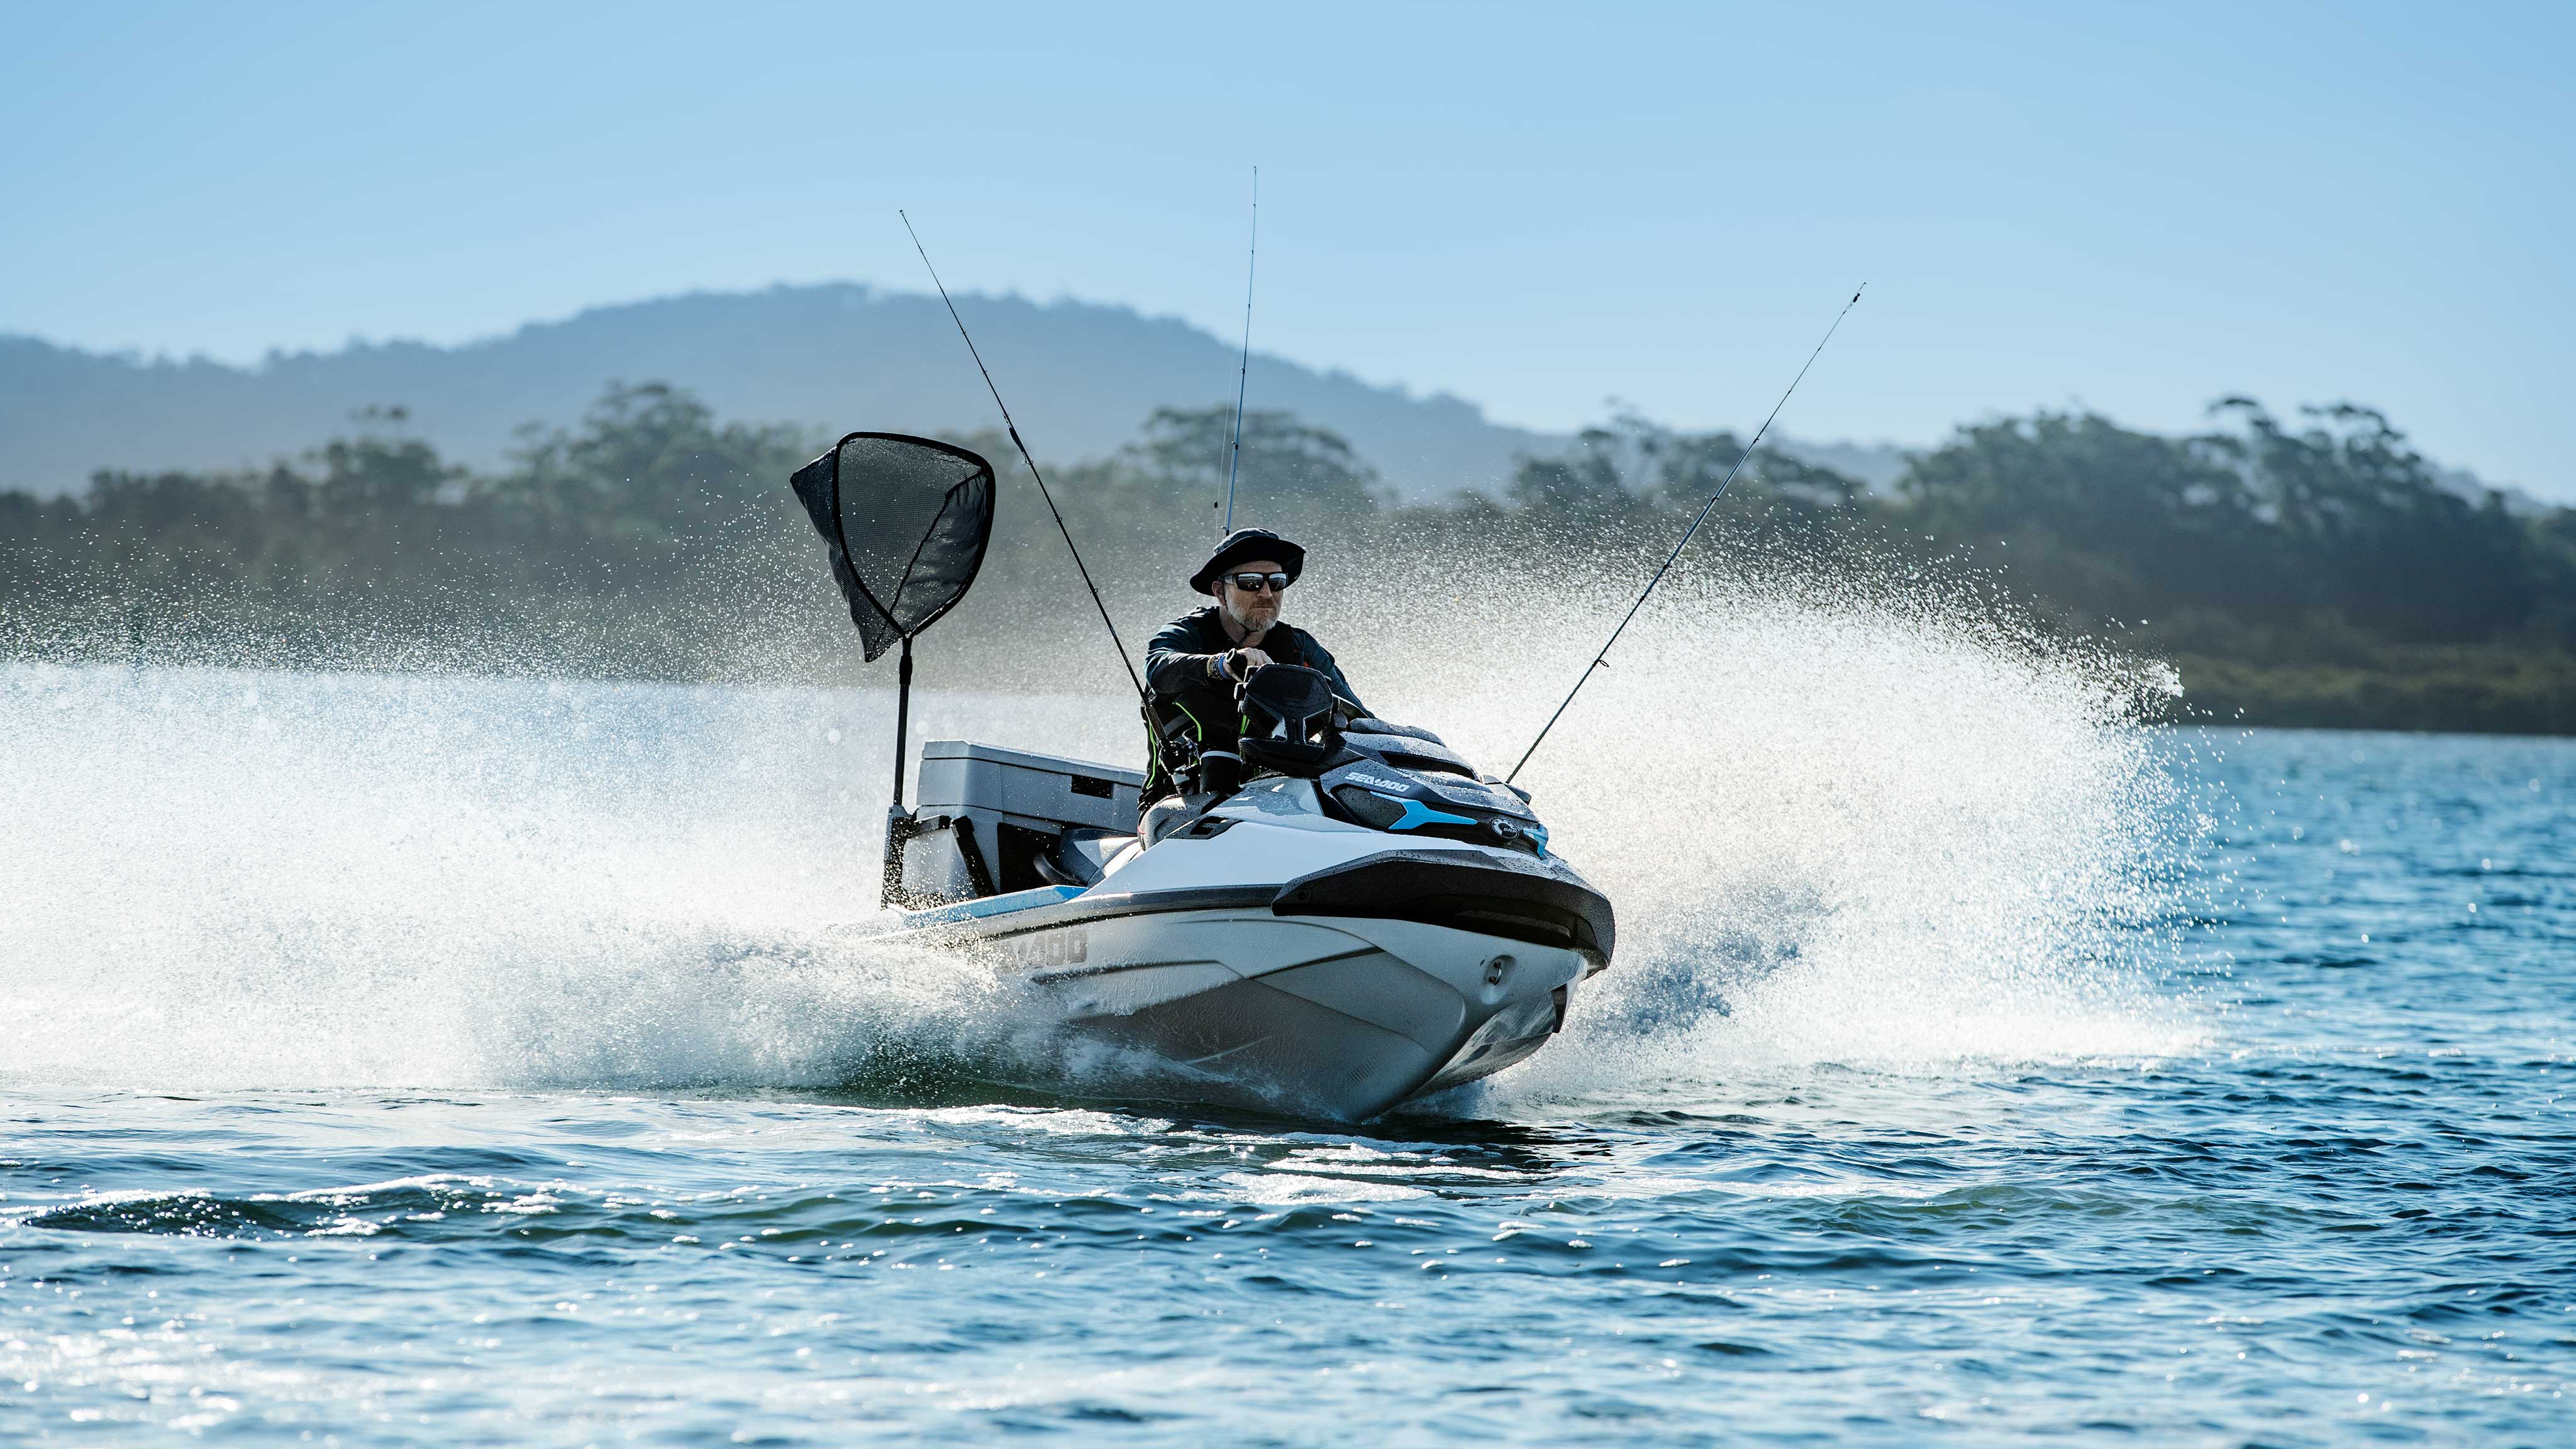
{"points": [[1341, 1018], [1273, 957]]}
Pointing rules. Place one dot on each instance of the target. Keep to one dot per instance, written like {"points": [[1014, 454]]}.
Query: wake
{"points": [[1839, 827]]}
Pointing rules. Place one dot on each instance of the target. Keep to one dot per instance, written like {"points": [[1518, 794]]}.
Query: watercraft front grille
{"points": [[1464, 892]]}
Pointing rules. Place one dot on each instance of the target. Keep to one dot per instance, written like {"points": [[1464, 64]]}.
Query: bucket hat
{"points": [[1242, 546]]}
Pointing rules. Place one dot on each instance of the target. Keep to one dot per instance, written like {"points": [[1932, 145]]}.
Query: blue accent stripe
{"points": [[1417, 813], [977, 910]]}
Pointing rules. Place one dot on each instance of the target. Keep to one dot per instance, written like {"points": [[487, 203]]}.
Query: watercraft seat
{"points": [[1081, 857], [1171, 813]]}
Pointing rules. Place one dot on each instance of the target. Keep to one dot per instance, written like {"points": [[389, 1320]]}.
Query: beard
{"points": [[1253, 617]]}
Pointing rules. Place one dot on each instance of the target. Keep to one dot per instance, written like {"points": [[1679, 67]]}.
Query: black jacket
{"points": [[1187, 695]]}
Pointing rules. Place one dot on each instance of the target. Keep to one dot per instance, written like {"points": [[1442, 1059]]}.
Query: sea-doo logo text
{"points": [[1066, 947], [1374, 783]]}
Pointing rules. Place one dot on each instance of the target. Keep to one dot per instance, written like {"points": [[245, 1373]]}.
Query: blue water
{"points": [[498, 1102]]}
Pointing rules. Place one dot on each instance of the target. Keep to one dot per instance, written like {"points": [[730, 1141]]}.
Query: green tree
{"points": [[2107, 520], [1290, 469], [2388, 546]]}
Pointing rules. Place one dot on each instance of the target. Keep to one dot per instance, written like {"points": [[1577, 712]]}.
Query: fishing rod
{"points": [[1243, 372], [1043, 491], [1602, 659]]}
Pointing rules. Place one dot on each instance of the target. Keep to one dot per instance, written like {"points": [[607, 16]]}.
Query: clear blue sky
{"points": [[2132, 208]]}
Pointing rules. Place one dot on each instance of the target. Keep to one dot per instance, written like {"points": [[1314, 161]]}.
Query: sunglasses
{"points": [[1252, 583]]}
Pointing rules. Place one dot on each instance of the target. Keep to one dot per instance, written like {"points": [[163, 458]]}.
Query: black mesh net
{"points": [[906, 519]]}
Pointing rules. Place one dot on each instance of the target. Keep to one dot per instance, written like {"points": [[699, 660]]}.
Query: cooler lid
{"points": [[1023, 759]]}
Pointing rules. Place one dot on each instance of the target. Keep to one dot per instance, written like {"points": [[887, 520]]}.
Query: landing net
{"points": [[907, 520]]}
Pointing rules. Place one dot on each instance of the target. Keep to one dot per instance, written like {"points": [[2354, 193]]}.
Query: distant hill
{"points": [[1080, 376]]}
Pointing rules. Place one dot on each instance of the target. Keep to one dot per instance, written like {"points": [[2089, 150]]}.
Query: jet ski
{"points": [[1365, 920], [1340, 917]]}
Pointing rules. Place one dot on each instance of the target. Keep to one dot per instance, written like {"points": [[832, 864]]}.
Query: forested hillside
{"points": [[2313, 570]]}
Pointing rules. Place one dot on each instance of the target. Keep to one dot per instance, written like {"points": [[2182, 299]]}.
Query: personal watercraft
{"points": [[1363, 921], [1341, 916]]}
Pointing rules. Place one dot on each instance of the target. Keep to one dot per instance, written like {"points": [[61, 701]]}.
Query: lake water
{"points": [[392, 1060]]}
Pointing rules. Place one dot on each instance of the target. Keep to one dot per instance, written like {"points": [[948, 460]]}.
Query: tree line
{"points": [[2314, 570]]}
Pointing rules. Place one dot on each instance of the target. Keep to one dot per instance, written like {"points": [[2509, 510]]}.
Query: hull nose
{"points": [[1397, 1010], [1267, 1044]]}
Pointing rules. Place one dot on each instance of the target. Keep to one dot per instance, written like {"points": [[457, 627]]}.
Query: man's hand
{"points": [[1242, 662]]}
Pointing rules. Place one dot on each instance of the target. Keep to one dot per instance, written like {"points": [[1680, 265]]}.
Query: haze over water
{"points": [[395, 1058]]}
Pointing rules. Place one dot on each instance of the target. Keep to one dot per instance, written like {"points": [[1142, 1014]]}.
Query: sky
{"points": [[1539, 208]]}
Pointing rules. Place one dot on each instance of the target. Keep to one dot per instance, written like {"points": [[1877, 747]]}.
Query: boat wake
{"points": [[1850, 830], [1854, 830]]}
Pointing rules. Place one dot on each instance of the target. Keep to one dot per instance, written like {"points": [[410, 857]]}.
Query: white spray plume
{"points": [[1842, 824]]}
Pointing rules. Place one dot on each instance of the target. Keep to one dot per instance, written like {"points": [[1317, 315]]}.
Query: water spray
{"points": [[1603, 658]]}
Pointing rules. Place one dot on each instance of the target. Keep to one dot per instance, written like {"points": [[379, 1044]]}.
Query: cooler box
{"points": [[1009, 807], [1036, 792]]}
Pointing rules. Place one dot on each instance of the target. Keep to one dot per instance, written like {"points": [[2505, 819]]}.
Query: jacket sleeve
{"points": [[1170, 666], [1324, 663]]}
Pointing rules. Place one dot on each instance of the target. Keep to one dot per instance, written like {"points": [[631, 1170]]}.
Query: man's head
{"points": [[1244, 553], [1249, 592]]}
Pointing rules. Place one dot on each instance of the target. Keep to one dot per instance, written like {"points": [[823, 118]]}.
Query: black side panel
{"points": [[1020, 849], [1469, 892]]}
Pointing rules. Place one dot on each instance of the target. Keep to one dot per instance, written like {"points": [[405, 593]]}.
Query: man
{"points": [[1193, 665]]}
